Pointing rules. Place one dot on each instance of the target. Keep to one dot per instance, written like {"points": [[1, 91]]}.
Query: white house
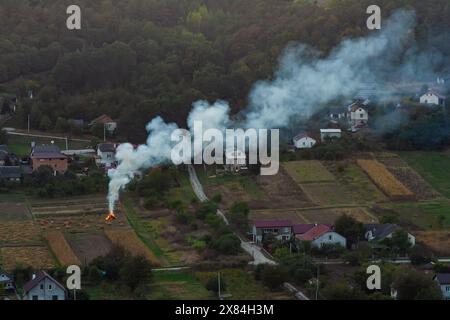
{"points": [[235, 161], [358, 115], [432, 97], [330, 133], [320, 235], [43, 287], [6, 281], [443, 280], [280, 229], [303, 141], [379, 232], [106, 154]]}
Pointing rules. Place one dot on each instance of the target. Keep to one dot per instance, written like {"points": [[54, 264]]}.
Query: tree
{"points": [[3, 137], [239, 215], [415, 285], [227, 244], [135, 271], [273, 277], [45, 123], [399, 242], [342, 291], [349, 228]]}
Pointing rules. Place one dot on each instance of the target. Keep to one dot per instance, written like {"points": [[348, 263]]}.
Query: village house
{"points": [[43, 287], [49, 155], [104, 120], [337, 113], [326, 134], [319, 235], [379, 232], [432, 97], [4, 155], [280, 229], [11, 173], [358, 115], [235, 161], [106, 154], [443, 279], [6, 281], [303, 141]]}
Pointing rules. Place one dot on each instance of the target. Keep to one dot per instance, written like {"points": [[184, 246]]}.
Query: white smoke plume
{"points": [[304, 83]]}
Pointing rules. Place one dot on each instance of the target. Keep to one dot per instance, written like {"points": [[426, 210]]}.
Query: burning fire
{"points": [[111, 217]]}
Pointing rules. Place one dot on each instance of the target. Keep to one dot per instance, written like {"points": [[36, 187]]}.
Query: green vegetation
{"points": [[308, 171], [21, 145], [434, 167], [427, 214], [177, 285]]}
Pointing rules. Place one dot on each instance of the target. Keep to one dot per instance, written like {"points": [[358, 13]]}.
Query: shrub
{"points": [[273, 277], [227, 244], [213, 284], [217, 198]]}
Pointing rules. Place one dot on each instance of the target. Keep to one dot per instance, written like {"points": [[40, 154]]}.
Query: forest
{"points": [[136, 59]]}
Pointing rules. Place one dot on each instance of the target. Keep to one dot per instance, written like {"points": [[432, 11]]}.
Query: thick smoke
{"points": [[304, 83]]}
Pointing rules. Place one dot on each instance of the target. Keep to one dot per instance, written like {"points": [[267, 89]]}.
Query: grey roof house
{"points": [[10, 173], [6, 280], [379, 232], [444, 283], [43, 287]]}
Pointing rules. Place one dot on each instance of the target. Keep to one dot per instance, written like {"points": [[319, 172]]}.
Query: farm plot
{"points": [[308, 171], [34, 256], [328, 216], [406, 175], [327, 194], [88, 246], [61, 248], [434, 167], [69, 207], [128, 239], [438, 241], [355, 181], [18, 232], [13, 211], [78, 223], [378, 173]]}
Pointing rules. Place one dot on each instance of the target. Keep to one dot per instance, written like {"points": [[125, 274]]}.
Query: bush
{"points": [[205, 208], [217, 198], [227, 244], [213, 284], [183, 217], [273, 277], [94, 275], [150, 202]]}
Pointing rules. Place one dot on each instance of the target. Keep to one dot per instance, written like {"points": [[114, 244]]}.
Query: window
{"points": [[34, 298], [50, 287], [42, 286], [330, 237], [361, 115], [447, 288], [54, 297]]}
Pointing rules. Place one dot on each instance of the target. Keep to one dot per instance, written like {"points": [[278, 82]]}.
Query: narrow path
{"points": [[14, 133]]}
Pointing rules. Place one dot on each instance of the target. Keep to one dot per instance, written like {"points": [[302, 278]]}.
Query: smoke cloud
{"points": [[304, 83]]}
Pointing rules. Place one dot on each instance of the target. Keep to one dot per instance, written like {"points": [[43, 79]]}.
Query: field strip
{"points": [[338, 206], [303, 217], [61, 248]]}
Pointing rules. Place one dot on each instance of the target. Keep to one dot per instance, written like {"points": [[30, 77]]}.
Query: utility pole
{"points": [[28, 123], [104, 132], [317, 282], [67, 144], [218, 282]]}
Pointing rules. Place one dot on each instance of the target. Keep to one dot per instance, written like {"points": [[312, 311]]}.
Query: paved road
{"points": [[250, 248], [15, 133]]}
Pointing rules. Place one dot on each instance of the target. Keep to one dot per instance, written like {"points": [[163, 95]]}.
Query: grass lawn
{"points": [[434, 167], [177, 285], [20, 145], [243, 286], [183, 193], [308, 171]]}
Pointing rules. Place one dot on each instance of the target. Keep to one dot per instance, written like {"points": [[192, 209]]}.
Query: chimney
{"points": [[33, 276]]}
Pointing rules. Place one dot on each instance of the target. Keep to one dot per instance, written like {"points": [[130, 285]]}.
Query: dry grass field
{"points": [[13, 211], [327, 194], [19, 232], [34, 256], [61, 248], [378, 173], [128, 239], [438, 241], [82, 245]]}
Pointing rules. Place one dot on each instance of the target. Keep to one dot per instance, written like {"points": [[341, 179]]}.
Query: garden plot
{"points": [[378, 173], [19, 232], [327, 194], [438, 241], [83, 223], [308, 171], [88, 246], [13, 211], [406, 175], [61, 248], [37, 257], [72, 207]]}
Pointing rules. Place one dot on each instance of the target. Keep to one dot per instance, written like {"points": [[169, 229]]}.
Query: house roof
{"points": [[10, 172], [10, 278], [443, 278], [107, 147], [436, 93], [272, 223], [330, 131], [314, 232], [302, 228], [301, 136], [4, 147], [46, 152], [40, 275], [102, 119], [381, 231]]}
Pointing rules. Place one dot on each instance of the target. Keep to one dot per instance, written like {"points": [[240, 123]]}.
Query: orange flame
{"points": [[111, 217]]}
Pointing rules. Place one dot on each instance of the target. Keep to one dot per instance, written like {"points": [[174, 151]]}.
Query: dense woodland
{"points": [[136, 59]]}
